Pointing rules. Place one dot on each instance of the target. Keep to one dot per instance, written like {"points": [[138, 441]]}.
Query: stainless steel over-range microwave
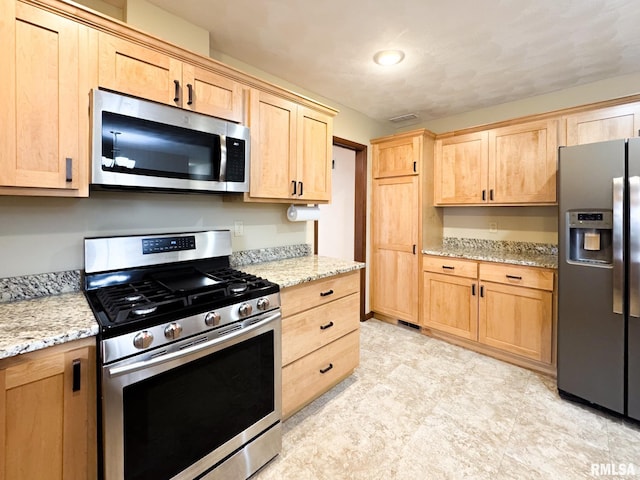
{"points": [[147, 145]]}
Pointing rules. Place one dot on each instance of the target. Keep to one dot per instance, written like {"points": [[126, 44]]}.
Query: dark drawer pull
{"points": [[448, 267], [326, 294], [514, 277], [473, 289], [325, 370], [328, 325], [77, 375]]}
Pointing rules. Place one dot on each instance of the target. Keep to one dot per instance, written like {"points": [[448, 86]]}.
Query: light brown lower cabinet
{"points": [[320, 337], [48, 414], [499, 309]]}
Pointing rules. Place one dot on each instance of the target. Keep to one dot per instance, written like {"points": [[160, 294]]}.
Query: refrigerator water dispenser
{"points": [[590, 236]]}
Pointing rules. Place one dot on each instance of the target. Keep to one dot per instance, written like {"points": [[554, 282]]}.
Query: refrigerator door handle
{"points": [[634, 246], [618, 239]]}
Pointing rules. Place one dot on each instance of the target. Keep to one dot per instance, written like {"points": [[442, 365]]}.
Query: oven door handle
{"points": [[134, 367]]}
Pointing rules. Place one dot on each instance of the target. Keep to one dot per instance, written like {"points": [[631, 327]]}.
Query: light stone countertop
{"points": [[515, 253], [530, 259], [29, 325], [294, 271]]}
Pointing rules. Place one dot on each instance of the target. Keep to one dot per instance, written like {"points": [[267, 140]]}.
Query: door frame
{"points": [[360, 215]]}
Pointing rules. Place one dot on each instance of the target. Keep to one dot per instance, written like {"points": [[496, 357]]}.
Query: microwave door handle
{"points": [[618, 239], [223, 158], [634, 246]]}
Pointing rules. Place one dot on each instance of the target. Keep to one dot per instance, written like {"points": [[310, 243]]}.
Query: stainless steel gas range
{"points": [[190, 358]]}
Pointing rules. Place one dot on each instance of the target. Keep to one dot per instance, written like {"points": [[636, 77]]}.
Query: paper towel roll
{"points": [[298, 213]]}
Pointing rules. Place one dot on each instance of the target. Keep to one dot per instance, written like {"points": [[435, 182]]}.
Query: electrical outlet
{"points": [[493, 227], [238, 229]]}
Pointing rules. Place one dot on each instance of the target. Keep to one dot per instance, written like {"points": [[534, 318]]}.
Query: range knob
{"points": [[172, 331], [245, 309], [212, 319], [263, 303], [143, 340]]}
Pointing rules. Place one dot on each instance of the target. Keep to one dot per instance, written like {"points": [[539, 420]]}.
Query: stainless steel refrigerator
{"points": [[599, 274]]}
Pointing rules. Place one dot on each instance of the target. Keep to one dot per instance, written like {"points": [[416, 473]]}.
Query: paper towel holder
{"points": [[303, 213]]}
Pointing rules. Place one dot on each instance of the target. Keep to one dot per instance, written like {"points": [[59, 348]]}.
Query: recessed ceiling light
{"points": [[388, 57]]}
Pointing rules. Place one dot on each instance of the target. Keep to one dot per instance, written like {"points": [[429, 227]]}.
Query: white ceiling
{"points": [[461, 55]]}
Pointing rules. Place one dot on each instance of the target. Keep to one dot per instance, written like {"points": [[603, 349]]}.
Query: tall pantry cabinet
{"points": [[402, 218]]}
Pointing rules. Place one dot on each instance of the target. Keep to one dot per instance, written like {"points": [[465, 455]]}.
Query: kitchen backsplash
{"points": [[500, 245], [44, 284]]}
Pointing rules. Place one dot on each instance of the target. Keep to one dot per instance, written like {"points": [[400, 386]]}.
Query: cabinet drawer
{"points": [[309, 295], [451, 266], [516, 275], [309, 330], [313, 374]]}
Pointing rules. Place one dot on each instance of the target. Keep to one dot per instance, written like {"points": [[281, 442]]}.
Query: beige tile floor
{"points": [[418, 408]]}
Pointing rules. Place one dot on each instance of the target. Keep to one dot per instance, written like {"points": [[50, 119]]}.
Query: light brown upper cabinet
{"points": [[510, 165], [611, 123], [397, 157], [290, 151], [134, 69], [44, 116]]}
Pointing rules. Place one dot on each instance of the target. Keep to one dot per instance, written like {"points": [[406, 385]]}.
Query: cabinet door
{"points": [[523, 163], [450, 304], [314, 155], [394, 234], [130, 68], [48, 426], [397, 158], [207, 92], [461, 169], [273, 147], [516, 319], [39, 118], [604, 124]]}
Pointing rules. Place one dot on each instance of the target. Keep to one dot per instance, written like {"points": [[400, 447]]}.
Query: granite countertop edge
{"points": [[524, 259], [33, 330]]}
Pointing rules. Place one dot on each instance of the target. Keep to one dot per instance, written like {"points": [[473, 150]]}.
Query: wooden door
{"points": [[461, 169], [394, 234], [39, 118], [314, 155], [395, 158], [130, 68], [49, 429], [516, 320], [450, 304], [273, 147], [523, 163], [604, 124], [207, 92]]}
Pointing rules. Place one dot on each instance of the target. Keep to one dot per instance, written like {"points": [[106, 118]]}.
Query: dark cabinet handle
{"points": [[69, 173], [514, 277], [190, 94], [484, 195], [473, 289], [491, 194], [176, 95], [328, 325], [482, 291], [325, 370], [448, 267], [294, 187], [76, 365], [301, 185], [414, 167], [414, 249], [326, 294]]}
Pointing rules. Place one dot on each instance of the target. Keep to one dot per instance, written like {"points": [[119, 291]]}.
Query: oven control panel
{"points": [[168, 244]]}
